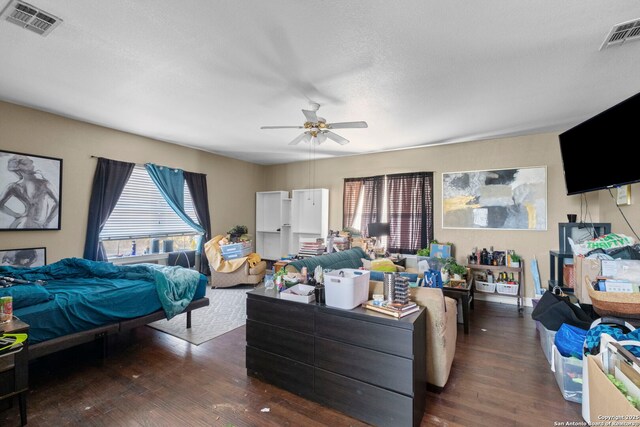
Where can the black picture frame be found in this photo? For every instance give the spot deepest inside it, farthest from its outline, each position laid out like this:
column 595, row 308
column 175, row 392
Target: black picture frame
column 23, row 257
column 44, row 210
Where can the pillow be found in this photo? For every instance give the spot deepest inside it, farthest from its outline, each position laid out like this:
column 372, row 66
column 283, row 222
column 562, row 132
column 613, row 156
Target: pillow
column 379, row 276
column 383, row 264
column 26, row 295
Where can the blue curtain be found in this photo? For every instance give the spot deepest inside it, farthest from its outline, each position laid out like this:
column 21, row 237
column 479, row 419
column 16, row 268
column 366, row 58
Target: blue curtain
column 170, row 182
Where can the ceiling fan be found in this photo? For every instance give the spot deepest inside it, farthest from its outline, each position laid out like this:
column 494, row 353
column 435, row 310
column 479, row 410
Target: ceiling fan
column 317, row 129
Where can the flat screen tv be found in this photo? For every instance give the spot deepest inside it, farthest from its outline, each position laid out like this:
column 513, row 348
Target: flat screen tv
column 609, row 162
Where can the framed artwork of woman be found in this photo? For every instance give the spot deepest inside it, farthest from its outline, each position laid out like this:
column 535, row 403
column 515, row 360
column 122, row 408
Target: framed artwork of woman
column 30, row 190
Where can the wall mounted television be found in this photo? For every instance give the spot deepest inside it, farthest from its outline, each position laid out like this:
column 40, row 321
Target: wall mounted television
column 611, row 164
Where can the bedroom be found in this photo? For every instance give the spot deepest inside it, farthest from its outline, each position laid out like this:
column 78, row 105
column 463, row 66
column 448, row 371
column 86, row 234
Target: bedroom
column 71, row 110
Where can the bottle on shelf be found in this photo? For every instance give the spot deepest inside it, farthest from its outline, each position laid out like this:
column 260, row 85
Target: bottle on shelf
column 133, row 247
column 489, row 276
column 484, row 256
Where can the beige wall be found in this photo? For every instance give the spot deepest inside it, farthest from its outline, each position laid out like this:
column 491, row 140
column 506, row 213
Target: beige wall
column 533, row 150
column 609, row 211
column 232, row 183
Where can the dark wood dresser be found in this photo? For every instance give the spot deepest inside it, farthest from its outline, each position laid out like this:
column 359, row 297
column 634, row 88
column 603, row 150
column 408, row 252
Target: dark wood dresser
column 362, row 363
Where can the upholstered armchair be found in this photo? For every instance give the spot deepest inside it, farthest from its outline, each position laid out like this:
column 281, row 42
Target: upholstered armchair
column 243, row 275
column 248, row 270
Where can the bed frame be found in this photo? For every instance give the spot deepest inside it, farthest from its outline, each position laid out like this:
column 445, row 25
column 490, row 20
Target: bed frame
column 101, row 333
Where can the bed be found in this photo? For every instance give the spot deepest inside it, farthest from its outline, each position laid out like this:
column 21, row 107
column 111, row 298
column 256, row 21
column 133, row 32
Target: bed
column 79, row 301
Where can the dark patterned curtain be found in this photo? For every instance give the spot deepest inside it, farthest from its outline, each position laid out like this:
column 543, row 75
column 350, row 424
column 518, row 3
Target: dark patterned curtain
column 410, row 211
column 373, row 199
column 350, row 197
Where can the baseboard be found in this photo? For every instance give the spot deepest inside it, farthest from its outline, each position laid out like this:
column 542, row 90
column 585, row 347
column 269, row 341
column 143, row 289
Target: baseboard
column 501, row 299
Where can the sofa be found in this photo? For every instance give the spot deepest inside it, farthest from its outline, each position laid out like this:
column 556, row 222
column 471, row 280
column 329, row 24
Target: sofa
column 442, row 326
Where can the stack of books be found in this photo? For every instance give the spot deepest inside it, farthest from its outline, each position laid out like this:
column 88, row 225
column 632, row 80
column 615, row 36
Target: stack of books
column 311, row 247
column 394, row 309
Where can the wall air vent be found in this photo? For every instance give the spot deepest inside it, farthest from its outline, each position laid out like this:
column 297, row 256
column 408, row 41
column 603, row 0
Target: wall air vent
column 622, row 33
column 30, row 17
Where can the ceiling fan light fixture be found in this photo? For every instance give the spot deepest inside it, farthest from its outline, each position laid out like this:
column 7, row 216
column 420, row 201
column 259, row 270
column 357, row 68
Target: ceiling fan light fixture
column 317, row 128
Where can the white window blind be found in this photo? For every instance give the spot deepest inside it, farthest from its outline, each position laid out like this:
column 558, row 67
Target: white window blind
column 141, row 211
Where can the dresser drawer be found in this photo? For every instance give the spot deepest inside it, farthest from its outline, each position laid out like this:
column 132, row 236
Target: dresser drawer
column 381, row 369
column 286, row 314
column 388, row 339
column 283, row 342
column 366, row 402
column 285, row 373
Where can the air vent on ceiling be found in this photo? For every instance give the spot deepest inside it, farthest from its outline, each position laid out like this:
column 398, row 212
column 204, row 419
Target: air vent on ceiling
column 30, row 17
column 622, row 33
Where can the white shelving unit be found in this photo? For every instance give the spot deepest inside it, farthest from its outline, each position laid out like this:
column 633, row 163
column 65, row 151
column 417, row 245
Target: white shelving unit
column 273, row 228
column 309, row 215
column 282, row 221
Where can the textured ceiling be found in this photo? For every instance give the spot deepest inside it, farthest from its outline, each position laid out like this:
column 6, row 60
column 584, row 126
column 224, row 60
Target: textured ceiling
column 208, row 74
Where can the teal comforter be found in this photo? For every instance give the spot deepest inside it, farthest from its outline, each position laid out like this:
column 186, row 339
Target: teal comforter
column 175, row 286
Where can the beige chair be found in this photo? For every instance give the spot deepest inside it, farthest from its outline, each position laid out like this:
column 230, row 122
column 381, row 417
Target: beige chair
column 442, row 330
column 243, row 275
column 227, row 273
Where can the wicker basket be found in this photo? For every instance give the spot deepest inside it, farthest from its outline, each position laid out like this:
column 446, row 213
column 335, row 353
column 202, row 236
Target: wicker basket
column 617, row 304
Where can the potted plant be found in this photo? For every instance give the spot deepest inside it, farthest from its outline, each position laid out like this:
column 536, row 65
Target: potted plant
column 515, row 260
column 236, row 232
column 458, row 271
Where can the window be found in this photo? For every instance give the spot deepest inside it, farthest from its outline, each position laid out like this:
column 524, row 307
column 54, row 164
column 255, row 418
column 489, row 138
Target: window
column 405, row 201
column 142, row 213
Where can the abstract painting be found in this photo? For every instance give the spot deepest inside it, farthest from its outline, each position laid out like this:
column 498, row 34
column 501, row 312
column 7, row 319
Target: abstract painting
column 28, row 257
column 30, row 188
column 508, row 199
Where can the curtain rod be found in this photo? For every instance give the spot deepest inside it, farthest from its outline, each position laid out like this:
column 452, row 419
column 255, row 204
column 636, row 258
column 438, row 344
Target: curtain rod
column 142, row 164
column 98, row 157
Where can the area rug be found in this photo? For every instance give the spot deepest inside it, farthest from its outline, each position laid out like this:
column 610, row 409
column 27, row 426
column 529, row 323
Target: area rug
column 226, row 311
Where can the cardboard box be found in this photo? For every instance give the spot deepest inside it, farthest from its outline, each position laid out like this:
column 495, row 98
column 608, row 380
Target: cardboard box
column 440, row 251
column 606, row 402
column 584, row 268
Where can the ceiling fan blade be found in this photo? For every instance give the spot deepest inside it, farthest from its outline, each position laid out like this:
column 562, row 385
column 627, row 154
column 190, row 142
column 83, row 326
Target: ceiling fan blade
column 335, row 137
column 310, row 115
column 321, row 138
column 299, row 138
column 281, row 127
column 347, row 125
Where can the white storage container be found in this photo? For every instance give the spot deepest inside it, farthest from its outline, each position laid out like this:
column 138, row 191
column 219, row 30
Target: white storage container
column 547, row 338
column 568, row 371
column 485, row 286
column 346, row 288
column 507, row 288
column 299, row 293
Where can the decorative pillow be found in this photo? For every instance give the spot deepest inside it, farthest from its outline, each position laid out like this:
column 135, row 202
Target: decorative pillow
column 383, row 264
column 26, row 295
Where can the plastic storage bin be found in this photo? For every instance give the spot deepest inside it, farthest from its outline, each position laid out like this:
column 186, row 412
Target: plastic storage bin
column 346, row 288
column 507, row 288
column 568, row 372
column 235, row 250
column 485, row 287
column 547, row 338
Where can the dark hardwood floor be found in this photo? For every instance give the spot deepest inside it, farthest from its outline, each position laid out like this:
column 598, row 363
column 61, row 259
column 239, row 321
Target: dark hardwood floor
column 499, row 378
